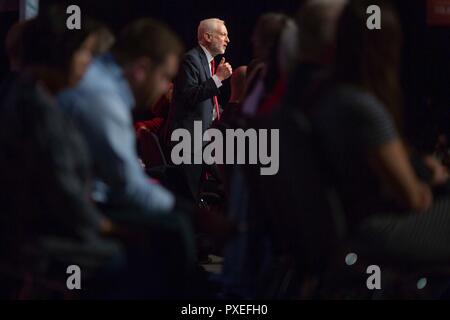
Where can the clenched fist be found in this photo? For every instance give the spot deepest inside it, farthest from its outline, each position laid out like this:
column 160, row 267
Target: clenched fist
column 224, row 70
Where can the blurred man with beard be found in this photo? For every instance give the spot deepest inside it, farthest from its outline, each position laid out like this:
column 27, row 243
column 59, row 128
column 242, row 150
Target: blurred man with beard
column 136, row 72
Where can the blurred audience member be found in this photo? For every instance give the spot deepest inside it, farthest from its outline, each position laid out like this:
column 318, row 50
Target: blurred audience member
column 161, row 108
column 44, row 162
column 317, row 22
column 105, row 41
column 153, row 118
column 265, row 84
column 136, row 73
column 288, row 48
column 267, row 80
column 238, row 85
column 231, row 117
column 357, row 122
column 46, row 172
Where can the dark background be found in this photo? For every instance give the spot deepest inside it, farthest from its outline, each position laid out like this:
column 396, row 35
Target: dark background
column 183, row 17
column 425, row 72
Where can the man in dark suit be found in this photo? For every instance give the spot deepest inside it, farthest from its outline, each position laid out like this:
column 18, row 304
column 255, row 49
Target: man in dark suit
column 197, row 87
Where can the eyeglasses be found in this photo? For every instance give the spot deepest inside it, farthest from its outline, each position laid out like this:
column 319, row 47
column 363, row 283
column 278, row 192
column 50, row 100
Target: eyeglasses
column 223, row 34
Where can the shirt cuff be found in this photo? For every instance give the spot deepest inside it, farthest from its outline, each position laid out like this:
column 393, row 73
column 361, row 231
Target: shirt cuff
column 217, row 81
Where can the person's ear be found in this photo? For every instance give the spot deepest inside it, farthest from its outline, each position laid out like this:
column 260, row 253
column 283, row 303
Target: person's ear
column 207, row 37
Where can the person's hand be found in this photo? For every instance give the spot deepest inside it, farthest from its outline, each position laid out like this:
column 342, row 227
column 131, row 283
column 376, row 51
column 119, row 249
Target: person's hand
column 224, row 70
column 439, row 171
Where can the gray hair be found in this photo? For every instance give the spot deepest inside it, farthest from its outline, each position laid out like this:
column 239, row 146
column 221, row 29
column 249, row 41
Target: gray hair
column 207, row 25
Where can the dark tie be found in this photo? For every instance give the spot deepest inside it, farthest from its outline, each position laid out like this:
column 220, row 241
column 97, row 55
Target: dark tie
column 215, row 101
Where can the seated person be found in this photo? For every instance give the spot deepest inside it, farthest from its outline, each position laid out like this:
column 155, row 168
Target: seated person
column 46, row 174
column 44, row 163
column 13, row 45
column 237, row 83
column 135, row 73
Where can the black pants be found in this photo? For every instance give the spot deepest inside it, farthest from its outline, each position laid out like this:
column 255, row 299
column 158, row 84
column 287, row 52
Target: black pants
column 415, row 237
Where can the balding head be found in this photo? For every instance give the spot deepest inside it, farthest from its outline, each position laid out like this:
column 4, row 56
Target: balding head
column 213, row 35
column 317, row 21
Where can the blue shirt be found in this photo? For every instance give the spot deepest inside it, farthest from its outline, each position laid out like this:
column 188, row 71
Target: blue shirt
column 101, row 106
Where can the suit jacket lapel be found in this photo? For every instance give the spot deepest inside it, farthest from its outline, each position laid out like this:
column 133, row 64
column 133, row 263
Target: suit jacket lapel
column 204, row 62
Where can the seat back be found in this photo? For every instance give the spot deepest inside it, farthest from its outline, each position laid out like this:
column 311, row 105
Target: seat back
column 150, row 150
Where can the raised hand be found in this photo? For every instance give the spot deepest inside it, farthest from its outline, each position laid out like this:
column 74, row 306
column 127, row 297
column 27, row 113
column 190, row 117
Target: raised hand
column 224, row 70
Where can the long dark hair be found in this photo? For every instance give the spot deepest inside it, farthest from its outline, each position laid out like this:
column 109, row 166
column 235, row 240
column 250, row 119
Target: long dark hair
column 371, row 58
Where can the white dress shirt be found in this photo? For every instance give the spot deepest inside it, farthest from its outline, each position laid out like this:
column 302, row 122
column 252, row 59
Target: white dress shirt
column 210, row 58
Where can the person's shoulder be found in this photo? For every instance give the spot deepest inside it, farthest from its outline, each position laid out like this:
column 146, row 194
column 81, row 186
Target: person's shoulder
column 97, row 82
column 24, row 90
column 195, row 51
column 97, row 77
column 193, row 54
column 364, row 102
column 365, row 109
column 353, row 98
